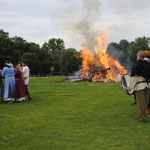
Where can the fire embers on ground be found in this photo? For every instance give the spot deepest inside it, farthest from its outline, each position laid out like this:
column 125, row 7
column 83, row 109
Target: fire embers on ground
column 98, row 66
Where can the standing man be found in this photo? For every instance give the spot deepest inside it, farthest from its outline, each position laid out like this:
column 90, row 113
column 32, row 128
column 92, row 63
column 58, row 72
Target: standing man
column 26, row 73
column 140, row 85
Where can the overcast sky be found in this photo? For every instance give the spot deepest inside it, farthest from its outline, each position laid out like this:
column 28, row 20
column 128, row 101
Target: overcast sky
column 77, row 22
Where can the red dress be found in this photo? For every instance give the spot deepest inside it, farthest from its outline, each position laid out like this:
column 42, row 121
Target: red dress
column 20, row 85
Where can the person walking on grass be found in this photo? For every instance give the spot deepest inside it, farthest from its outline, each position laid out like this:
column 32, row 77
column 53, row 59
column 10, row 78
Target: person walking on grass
column 140, row 84
column 26, row 73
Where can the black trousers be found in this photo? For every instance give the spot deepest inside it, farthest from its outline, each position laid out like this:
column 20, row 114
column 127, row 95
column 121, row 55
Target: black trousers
column 26, row 89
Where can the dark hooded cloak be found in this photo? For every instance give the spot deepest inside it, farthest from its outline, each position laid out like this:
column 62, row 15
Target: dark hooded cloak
column 141, row 68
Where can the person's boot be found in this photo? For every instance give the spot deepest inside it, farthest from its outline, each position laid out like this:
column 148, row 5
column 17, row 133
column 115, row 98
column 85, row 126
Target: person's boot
column 140, row 119
column 29, row 97
column 134, row 102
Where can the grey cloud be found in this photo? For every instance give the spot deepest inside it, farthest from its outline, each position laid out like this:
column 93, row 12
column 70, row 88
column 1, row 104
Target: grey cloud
column 127, row 6
column 34, row 8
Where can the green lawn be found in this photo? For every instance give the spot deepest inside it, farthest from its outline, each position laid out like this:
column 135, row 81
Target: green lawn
column 73, row 116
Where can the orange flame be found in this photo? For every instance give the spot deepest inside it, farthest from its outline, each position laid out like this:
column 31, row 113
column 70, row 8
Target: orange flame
column 100, row 65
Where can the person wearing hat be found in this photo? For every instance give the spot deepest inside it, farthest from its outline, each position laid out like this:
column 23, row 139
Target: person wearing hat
column 8, row 73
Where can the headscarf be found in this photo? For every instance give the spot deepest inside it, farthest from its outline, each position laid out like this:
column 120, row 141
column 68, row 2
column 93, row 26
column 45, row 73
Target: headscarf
column 8, row 64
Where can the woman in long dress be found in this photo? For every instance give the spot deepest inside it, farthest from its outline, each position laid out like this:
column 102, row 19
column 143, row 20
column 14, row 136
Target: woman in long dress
column 20, row 84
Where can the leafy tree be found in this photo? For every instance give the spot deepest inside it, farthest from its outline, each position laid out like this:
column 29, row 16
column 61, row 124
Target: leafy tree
column 141, row 43
column 19, row 44
column 6, row 48
column 4, row 34
column 46, row 61
column 68, row 61
column 31, row 47
column 32, row 61
column 16, row 56
column 52, row 69
column 54, row 47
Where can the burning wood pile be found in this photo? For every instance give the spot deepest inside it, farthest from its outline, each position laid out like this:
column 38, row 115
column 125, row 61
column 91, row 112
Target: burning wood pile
column 98, row 66
column 93, row 70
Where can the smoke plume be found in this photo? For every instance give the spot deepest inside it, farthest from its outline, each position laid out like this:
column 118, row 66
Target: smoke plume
column 85, row 26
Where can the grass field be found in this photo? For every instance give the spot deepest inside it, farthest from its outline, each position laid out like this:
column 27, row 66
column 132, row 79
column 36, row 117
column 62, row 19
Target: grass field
column 73, row 116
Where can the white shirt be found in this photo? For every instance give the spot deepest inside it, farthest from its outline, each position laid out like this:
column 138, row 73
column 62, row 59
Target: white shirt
column 26, row 72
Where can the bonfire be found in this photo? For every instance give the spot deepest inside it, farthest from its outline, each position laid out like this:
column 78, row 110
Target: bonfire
column 98, row 66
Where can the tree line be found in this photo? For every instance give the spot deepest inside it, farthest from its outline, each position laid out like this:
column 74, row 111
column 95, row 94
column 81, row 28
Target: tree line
column 53, row 58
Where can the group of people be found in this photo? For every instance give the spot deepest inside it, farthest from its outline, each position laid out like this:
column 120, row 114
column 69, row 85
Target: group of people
column 140, row 83
column 16, row 78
